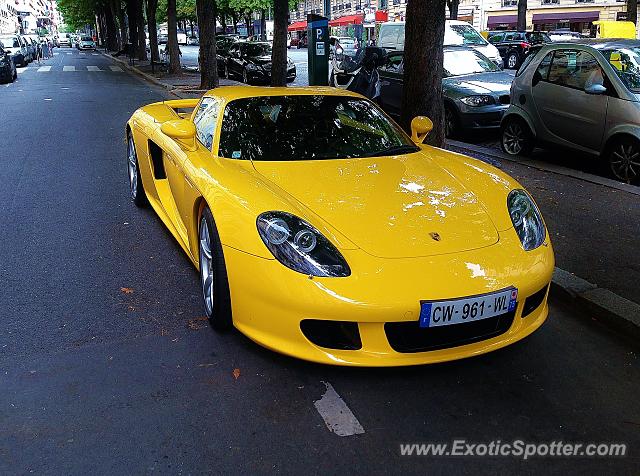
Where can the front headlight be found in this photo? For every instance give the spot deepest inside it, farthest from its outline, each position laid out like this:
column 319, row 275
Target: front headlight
column 299, row 246
column 526, row 219
column 476, row 101
column 251, row 66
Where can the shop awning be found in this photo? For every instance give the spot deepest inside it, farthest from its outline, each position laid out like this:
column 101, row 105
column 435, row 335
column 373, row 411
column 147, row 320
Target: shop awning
column 566, row 17
column 497, row 20
column 298, row 26
column 347, row 20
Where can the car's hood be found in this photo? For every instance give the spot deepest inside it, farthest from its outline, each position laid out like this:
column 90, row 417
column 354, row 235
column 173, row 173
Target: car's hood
column 261, row 60
column 405, row 206
column 480, row 83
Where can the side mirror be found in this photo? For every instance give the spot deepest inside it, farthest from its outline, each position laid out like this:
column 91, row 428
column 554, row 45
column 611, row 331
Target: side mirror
column 420, row 128
column 595, row 89
column 182, row 131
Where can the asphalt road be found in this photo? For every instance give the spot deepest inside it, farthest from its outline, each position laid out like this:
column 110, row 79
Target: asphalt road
column 106, row 366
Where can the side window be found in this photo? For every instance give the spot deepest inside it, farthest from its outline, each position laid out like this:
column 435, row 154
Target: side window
column 575, row 69
column 393, row 64
column 496, row 38
column 543, row 68
column 512, row 37
column 389, row 36
column 205, row 120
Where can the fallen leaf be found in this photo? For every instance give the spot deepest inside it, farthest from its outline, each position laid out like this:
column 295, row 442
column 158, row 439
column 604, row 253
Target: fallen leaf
column 164, row 332
column 236, row 373
column 127, row 290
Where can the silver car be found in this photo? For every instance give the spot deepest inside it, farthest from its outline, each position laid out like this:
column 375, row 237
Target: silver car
column 584, row 96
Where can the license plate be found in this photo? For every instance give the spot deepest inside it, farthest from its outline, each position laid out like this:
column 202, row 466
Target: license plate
column 475, row 308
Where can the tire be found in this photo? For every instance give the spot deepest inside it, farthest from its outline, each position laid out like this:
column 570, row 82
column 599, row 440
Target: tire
column 516, row 137
column 451, row 122
column 136, row 188
column 213, row 274
column 226, row 71
column 15, row 74
column 623, row 160
column 513, row 60
column 245, row 76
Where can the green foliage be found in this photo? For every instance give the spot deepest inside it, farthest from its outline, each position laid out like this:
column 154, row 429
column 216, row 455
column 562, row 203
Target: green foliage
column 77, row 13
column 186, row 10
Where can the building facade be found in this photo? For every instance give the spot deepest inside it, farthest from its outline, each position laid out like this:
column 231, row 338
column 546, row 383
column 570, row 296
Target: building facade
column 8, row 16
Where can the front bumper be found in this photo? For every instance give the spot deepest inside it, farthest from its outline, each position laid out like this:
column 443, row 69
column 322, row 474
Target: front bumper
column 484, row 117
column 270, row 301
column 262, row 74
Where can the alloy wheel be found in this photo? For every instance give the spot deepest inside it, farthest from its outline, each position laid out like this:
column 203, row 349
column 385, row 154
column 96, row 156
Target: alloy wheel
column 206, row 267
column 133, row 168
column 624, row 161
column 513, row 138
column 512, row 61
column 245, row 76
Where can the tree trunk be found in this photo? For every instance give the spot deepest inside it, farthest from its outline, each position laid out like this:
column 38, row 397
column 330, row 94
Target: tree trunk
column 279, row 51
column 632, row 11
column 453, row 9
column 234, row 19
column 422, row 88
column 172, row 45
column 206, row 11
column 191, row 27
column 141, row 49
column 152, row 9
column 117, row 6
column 223, row 23
column 112, row 30
column 522, row 15
column 247, row 23
column 263, row 26
column 133, row 25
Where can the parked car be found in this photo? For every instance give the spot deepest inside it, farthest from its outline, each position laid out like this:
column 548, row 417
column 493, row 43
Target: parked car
column 182, row 38
column 193, row 40
column 16, row 48
column 86, row 43
column 344, row 45
column 64, row 40
column 514, row 46
column 564, row 34
column 456, row 33
column 163, row 39
column 223, row 44
column 251, row 61
column 8, row 72
column 476, row 91
column 583, row 96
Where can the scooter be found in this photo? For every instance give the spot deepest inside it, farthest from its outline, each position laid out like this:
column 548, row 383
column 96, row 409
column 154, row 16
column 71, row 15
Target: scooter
column 358, row 73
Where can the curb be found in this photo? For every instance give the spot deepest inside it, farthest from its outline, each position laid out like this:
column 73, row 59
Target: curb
column 169, row 87
column 556, row 169
column 589, row 300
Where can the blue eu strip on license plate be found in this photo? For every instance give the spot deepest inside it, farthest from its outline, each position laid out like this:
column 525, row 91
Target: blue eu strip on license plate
column 475, row 308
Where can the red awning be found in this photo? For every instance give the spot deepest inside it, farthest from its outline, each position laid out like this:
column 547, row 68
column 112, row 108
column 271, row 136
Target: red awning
column 347, row 20
column 382, row 15
column 298, row 26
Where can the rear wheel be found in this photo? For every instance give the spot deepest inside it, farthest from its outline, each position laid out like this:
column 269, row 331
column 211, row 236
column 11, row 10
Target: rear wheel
column 513, row 59
column 516, row 137
column 245, row 76
column 135, row 181
column 213, row 274
column 623, row 158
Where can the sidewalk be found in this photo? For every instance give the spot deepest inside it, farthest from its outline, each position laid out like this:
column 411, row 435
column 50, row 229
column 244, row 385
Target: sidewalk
column 183, row 85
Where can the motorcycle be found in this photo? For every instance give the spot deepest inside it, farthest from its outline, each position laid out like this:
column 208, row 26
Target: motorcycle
column 358, row 73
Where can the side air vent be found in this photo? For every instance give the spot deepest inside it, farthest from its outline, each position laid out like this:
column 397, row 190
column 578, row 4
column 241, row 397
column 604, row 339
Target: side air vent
column 156, row 161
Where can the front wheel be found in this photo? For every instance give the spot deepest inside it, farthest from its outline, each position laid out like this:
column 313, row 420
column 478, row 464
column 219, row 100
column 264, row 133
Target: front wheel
column 245, row 76
column 135, row 181
column 213, row 274
column 513, row 60
column 451, row 123
column 516, row 137
column 623, row 158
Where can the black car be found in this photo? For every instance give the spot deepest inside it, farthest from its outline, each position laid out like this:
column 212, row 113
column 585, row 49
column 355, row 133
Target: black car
column 251, row 61
column 223, row 44
column 514, row 46
column 8, row 73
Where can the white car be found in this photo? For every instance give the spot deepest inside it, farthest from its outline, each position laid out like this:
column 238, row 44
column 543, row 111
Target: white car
column 64, row 40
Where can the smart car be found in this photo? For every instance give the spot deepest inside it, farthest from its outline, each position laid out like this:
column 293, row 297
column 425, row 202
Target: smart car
column 322, row 231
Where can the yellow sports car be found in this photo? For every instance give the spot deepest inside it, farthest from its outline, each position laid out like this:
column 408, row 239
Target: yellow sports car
column 322, row 231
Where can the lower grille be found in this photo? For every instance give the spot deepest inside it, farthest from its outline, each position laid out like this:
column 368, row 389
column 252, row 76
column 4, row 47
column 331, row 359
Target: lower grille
column 533, row 302
column 408, row 337
column 332, row 334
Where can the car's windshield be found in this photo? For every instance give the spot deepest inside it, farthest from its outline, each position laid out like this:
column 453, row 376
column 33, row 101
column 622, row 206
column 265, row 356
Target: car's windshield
column 462, row 35
column 258, row 49
column 289, row 128
column 87, row 38
column 9, row 42
column 626, row 64
column 467, row 61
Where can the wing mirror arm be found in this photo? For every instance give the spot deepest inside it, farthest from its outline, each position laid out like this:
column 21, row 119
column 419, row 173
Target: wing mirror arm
column 183, row 131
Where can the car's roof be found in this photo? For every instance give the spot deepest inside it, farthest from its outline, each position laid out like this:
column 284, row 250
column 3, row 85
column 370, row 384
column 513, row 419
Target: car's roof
column 230, row 93
column 599, row 43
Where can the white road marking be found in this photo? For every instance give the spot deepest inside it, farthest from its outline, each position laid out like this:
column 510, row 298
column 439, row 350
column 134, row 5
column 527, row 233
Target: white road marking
column 93, row 68
column 95, row 54
column 47, row 99
column 116, row 68
column 44, row 69
column 69, row 53
column 336, row 414
column 68, row 68
column 82, row 54
column 23, row 70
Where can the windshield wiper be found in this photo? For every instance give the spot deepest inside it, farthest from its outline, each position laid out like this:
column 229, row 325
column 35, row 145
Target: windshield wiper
column 395, row 150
